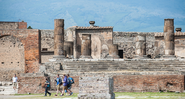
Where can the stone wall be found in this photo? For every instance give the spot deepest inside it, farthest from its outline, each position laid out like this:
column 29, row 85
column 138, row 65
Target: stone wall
column 127, row 42
column 97, row 87
column 47, row 45
column 11, row 57
column 27, row 42
column 31, row 83
column 13, row 25
column 179, row 44
column 130, row 81
column 150, row 45
column 148, row 83
column 101, row 41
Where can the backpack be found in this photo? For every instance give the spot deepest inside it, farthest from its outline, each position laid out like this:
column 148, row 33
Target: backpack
column 72, row 82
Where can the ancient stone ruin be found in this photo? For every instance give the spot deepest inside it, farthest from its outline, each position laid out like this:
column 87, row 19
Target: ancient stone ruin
column 119, row 61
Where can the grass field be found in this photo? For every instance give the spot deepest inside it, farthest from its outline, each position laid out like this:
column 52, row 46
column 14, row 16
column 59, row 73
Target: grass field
column 118, row 95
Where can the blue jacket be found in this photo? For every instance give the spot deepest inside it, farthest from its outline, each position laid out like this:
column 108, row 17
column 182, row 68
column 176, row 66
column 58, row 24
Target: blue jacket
column 65, row 81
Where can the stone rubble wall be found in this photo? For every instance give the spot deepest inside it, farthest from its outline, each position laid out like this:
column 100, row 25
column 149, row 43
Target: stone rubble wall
column 13, row 25
column 150, row 45
column 31, row 83
column 99, row 87
column 47, row 45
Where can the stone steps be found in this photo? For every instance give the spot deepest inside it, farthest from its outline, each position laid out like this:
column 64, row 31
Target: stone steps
column 124, row 65
column 7, row 90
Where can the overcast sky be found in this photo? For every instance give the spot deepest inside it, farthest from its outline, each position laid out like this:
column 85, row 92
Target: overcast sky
column 123, row 15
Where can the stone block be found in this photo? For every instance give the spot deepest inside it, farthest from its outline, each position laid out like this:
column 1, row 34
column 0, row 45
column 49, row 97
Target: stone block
column 96, row 87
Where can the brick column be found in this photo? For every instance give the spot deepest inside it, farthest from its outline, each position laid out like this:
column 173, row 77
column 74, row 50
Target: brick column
column 86, row 46
column 140, row 46
column 169, row 38
column 59, row 38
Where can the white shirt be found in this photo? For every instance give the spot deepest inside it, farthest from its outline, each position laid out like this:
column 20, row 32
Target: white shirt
column 14, row 79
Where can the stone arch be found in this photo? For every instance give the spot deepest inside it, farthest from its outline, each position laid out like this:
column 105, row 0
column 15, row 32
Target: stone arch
column 11, row 57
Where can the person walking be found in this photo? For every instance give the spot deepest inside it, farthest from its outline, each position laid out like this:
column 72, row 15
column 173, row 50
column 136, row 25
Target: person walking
column 47, row 85
column 64, row 84
column 70, row 82
column 59, row 82
column 14, row 80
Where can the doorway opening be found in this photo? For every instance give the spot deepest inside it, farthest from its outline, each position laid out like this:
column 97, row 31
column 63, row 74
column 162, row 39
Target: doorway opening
column 120, row 53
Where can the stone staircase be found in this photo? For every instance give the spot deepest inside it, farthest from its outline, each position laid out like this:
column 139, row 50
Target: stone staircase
column 6, row 88
column 128, row 65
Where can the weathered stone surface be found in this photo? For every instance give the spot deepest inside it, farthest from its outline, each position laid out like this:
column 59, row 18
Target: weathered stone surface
column 29, row 40
column 169, row 36
column 140, row 46
column 96, row 87
column 31, row 83
column 13, row 25
column 86, row 46
column 150, row 45
column 59, row 37
column 148, row 83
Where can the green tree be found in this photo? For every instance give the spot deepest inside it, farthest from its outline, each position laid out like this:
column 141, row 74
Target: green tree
column 29, row 27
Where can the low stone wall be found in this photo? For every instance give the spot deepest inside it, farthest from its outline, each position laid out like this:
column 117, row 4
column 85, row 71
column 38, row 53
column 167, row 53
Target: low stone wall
column 98, row 87
column 148, row 83
column 31, row 83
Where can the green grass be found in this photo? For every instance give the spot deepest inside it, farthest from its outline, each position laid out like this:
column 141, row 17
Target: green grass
column 41, row 96
column 151, row 95
column 137, row 95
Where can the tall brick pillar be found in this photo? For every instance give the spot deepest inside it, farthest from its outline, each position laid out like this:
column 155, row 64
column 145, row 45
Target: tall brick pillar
column 59, row 38
column 86, row 47
column 169, row 38
column 140, row 50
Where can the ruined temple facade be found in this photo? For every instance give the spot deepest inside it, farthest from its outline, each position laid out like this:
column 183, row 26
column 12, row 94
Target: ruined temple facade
column 25, row 48
column 96, row 42
column 91, row 49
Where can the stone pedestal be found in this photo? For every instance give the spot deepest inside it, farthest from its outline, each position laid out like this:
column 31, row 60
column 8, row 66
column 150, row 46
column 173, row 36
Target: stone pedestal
column 140, row 46
column 96, row 87
column 86, row 47
column 169, row 38
column 59, row 38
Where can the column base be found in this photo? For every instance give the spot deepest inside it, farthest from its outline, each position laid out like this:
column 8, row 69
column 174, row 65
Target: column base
column 85, row 57
column 169, row 57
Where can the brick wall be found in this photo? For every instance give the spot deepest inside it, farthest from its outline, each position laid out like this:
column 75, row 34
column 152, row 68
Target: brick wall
column 13, row 25
column 148, row 83
column 31, row 83
column 30, row 40
column 22, row 25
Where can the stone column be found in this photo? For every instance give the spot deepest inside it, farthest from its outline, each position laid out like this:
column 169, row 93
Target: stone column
column 86, row 47
column 169, row 38
column 140, row 50
column 59, row 38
